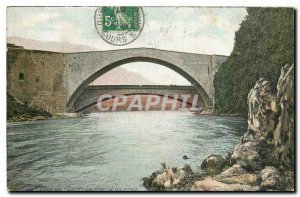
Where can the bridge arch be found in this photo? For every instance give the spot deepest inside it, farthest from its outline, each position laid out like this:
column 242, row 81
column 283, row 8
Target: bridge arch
column 103, row 70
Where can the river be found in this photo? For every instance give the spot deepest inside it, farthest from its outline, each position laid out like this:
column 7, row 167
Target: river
column 112, row 150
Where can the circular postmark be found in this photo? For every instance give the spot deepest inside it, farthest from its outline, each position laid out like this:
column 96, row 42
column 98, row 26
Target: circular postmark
column 119, row 25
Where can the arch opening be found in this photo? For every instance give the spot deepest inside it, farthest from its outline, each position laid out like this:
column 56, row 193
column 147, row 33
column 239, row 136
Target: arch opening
column 189, row 104
column 141, row 73
column 100, row 72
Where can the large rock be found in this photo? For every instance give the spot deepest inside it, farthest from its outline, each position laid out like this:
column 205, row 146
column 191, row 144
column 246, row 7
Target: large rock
column 210, row 184
column 246, row 152
column 262, row 110
column 234, row 170
column 284, row 134
column 278, row 179
column 253, row 154
column 269, row 140
column 270, row 177
column 214, row 163
column 261, row 114
column 242, row 179
column 266, row 133
column 167, row 178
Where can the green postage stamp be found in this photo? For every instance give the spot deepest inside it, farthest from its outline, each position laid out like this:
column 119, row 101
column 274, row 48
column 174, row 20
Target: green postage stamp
column 119, row 25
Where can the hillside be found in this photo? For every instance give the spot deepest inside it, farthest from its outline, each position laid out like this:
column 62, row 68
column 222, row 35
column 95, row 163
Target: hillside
column 65, row 47
column 263, row 44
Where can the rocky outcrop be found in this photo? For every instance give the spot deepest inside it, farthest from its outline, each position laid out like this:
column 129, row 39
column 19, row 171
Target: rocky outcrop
column 18, row 111
column 263, row 160
column 269, row 139
column 262, row 110
column 268, row 144
column 214, row 163
column 237, row 175
column 168, row 178
column 209, row 184
column 234, row 178
column 270, row 177
column 255, row 147
column 278, row 179
column 285, row 130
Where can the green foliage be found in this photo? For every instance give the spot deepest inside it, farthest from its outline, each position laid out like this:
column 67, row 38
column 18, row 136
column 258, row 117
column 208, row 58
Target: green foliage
column 263, row 44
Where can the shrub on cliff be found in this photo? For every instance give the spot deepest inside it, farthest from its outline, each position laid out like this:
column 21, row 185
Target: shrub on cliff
column 263, row 44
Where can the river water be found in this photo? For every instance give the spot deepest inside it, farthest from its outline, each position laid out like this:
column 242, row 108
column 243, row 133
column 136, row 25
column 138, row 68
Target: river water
column 112, row 150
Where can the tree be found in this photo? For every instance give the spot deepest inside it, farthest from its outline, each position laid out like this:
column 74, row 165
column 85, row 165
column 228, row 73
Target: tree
column 263, row 44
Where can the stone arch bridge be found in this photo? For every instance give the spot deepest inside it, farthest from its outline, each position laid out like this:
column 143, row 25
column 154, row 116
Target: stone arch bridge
column 54, row 81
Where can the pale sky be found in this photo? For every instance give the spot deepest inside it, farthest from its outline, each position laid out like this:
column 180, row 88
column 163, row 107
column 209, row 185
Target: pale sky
column 186, row 29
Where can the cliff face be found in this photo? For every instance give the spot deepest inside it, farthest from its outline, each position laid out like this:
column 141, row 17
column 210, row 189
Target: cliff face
column 268, row 145
column 263, row 160
column 261, row 48
column 266, row 150
column 285, row 130
column 270, row 135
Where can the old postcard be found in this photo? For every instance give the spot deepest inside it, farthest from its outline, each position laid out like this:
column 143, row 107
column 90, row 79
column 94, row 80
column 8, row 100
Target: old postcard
column 135, row 98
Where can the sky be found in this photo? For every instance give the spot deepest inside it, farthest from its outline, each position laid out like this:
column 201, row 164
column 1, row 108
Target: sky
column 185, row 29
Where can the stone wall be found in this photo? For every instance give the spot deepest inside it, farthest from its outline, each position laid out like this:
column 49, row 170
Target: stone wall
column 43, row 83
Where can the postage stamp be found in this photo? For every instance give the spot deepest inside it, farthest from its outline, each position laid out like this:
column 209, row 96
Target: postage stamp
column 119, row 25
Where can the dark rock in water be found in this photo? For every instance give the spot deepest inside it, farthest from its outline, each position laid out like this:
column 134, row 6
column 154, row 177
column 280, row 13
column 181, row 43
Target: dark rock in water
column 185, row 157
column 214, row 163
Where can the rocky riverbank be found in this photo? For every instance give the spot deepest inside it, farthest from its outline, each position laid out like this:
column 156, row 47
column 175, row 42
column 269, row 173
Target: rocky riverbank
column 18, row 111
column 263, row 160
